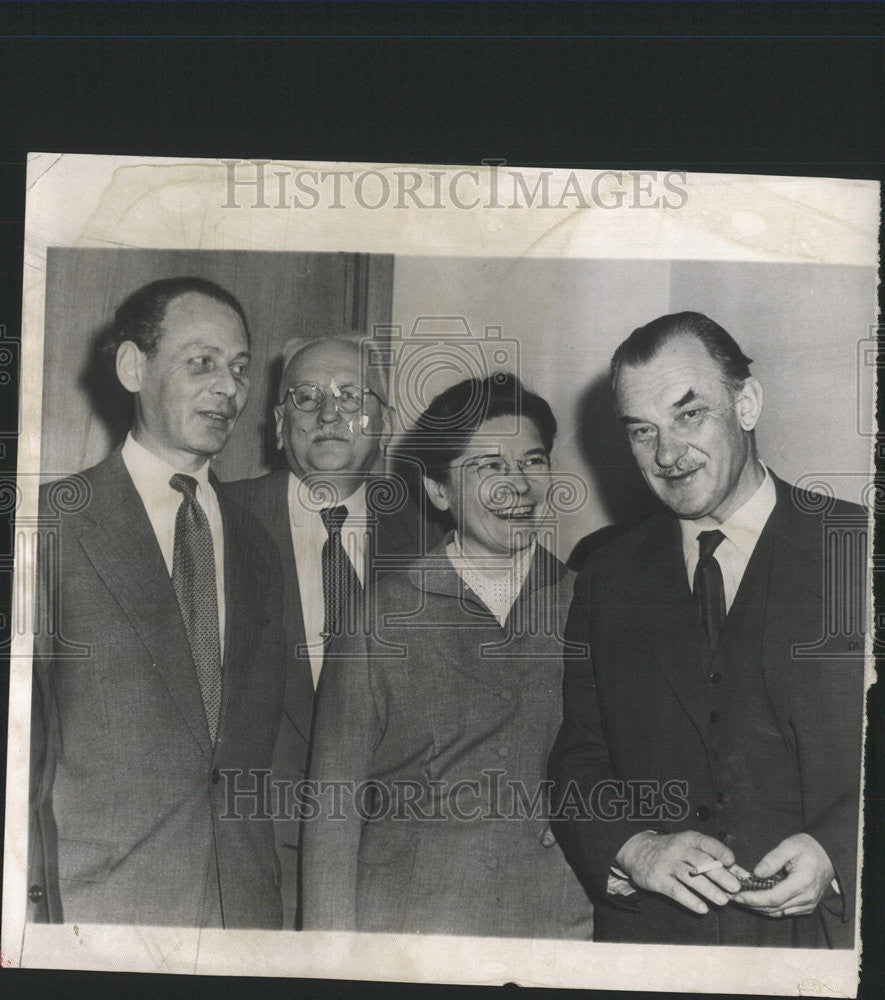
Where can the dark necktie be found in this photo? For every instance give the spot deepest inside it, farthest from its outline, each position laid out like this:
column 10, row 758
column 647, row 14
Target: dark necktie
column 341, row 585
column 709, row 590
column 193, row 577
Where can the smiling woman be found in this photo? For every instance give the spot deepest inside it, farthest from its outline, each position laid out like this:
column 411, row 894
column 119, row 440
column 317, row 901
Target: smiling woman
column 447, row 714
column 485, row 449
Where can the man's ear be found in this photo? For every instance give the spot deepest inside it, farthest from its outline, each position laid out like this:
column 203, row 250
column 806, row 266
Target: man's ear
column 279, row 412
column 748, row 403
column 438, row 493
column 130, row 365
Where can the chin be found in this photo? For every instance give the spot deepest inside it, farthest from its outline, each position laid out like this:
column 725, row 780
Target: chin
column 208, row 445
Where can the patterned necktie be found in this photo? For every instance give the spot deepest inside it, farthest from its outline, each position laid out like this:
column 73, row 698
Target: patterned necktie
column 709, row 590
column 193, row 577
column 341, row 585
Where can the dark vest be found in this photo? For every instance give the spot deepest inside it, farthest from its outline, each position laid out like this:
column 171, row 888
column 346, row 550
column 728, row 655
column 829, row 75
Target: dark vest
column 747, row 751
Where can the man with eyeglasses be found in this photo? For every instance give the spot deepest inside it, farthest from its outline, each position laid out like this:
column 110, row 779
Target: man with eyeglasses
column 335, row 518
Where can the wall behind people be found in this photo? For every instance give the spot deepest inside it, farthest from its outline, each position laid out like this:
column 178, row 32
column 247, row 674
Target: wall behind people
column 801, row 323
column 556, row 322
column 284, row 295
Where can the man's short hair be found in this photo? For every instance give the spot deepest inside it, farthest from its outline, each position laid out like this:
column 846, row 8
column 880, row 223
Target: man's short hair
column 645, row 342
column 443, row 431
column 365, row 347
column 139, row 317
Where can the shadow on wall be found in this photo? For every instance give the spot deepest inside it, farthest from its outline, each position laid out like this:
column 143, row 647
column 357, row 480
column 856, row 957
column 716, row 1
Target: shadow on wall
column 626, row 500
column 270, row 454
column 111, row 404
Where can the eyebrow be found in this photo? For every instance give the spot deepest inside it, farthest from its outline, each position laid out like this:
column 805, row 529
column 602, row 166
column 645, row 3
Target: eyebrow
column 497, row 454
column 689, row 397
column 202, row 345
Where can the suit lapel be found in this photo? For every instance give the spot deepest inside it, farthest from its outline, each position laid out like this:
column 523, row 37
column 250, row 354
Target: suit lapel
column 299, row 679
column 668, row 617
column 123, row 550
column 793, row 600
column 239, row 591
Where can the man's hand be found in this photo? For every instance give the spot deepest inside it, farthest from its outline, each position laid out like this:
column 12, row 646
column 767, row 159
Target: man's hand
column 810, row 873
column 664, row 864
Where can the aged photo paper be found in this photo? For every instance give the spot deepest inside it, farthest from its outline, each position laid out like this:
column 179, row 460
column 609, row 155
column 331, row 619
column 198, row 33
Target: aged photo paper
column 440, row 273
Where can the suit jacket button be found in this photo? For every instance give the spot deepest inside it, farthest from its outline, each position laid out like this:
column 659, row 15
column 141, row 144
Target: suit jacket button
column 702, row 813
column 35, row 894
column 505, row 694
column 216, row 776
column 715, row 677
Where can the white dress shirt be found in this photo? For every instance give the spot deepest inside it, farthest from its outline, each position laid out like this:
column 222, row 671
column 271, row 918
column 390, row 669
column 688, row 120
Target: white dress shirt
column 496, row 587
column 741, row 530
column 150, row 476
column 309, row 534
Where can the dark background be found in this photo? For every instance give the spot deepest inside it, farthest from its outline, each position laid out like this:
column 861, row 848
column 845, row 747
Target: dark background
column 754, row 87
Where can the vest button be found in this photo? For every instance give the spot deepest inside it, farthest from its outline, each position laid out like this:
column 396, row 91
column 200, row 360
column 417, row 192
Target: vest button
column 216, row 776
column 702, row 813
column 720, row 798
column 503, row 751
column 715, row 677
column 35, row 894
column 714, row 717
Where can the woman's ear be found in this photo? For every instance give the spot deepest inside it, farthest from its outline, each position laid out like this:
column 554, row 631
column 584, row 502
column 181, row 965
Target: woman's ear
column 438, row 493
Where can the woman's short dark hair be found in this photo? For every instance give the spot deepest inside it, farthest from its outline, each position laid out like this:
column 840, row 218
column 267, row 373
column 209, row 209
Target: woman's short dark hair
column 443, row 431
column 645, row 342
column 139, row 317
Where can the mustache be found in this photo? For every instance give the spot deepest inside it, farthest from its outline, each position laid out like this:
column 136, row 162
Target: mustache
column 679, row 470
column 332, row 437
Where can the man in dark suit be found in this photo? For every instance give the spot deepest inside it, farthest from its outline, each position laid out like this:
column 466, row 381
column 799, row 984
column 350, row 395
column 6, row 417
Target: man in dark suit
column 332, row 424
column 717, row 718
column 158, row 671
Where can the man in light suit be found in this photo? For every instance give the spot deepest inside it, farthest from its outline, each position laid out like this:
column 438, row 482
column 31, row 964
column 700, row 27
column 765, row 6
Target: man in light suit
column 158, row 670
column 717, row 718
column 332, row 424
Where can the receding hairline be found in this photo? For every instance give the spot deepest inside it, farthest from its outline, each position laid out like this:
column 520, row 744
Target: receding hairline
column 295, row 350
column 678, row 334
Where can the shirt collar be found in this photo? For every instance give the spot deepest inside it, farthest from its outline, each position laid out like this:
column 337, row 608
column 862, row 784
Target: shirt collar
column 516, row 567
column 301, row 513
column 152, row 474
column 745, row 525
